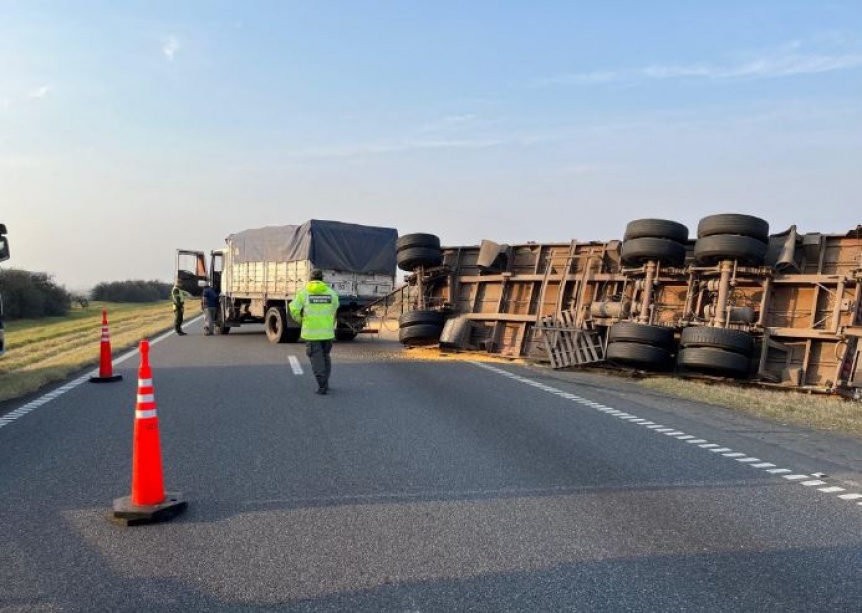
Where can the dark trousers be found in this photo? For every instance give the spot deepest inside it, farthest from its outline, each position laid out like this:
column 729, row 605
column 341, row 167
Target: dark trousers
column 321, row 365
column 178, row 320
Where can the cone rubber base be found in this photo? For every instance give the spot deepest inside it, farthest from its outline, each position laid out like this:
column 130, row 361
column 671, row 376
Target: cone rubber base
column 110, row 379
column 126, row 513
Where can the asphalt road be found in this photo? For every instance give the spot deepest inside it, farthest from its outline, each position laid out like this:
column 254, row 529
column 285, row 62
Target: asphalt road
column 419, row 486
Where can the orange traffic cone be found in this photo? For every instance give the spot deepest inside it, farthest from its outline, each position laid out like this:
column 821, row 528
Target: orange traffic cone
column 148, row 502
column 106, row 374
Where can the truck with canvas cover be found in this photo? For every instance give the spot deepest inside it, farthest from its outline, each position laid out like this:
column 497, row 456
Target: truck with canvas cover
column 259, row 271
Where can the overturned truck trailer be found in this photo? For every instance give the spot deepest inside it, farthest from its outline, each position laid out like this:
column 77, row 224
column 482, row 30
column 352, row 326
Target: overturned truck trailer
column 735, row 301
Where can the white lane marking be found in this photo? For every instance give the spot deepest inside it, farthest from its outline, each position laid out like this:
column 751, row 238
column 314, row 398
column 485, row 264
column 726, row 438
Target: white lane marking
column 294, row 364
column 54, row 394
column 805, row 480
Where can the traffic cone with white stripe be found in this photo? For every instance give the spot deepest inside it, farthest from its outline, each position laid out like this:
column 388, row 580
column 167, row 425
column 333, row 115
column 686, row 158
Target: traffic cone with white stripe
column 148, row 502
column 106, row 374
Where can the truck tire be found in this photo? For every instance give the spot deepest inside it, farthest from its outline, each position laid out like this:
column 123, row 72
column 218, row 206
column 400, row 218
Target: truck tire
column 637, row 354
column 735, row 341
column 715, row 248
column 626, row 331
column 420, row 317
column 344, row 334
column 734, row 223
column 420, row 334
column 411, row 258
column 710, row 359
column 656, row 228
column 409, row 241
column 276, row 327
column 640, row 250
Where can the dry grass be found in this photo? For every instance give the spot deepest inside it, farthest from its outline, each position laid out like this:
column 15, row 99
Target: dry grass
column 829, row 413
column 42, row 351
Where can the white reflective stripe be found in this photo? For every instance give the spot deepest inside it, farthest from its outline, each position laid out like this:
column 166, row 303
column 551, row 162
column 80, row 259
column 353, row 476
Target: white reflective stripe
column 145, row 414
column 146, row 398
column 145, row 383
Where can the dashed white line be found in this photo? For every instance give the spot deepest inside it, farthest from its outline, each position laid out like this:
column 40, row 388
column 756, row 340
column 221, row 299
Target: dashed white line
column 294, row 364
column 744, row 458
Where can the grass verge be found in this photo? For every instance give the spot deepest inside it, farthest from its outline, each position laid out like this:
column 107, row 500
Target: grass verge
column 828, row 413
column 42, row 351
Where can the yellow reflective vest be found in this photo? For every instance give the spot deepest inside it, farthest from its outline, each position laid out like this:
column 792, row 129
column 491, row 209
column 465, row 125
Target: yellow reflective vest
column 315, row 307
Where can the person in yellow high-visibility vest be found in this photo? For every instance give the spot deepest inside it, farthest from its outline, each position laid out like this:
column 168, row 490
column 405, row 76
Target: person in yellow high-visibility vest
column 178, row 300
column 315, row 307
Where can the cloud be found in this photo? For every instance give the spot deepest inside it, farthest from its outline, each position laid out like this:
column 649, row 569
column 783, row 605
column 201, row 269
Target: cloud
column 39, row 92
column 170, row 48
column 786, row 61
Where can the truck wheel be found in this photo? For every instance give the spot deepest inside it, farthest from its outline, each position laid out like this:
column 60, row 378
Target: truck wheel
column 276, row 325
column 715, row 248
column 710, row 359
column 419, row 317
column 656, row 228
column 735, row 341
column 631, row 332
column 640, row 250
column 408, row 241
column 734, row 223
column 411, row 258
column 637, row 354
column 420, row 334
column 344, row 334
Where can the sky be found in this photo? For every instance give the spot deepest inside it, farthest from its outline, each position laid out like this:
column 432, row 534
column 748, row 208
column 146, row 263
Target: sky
column 130, row 129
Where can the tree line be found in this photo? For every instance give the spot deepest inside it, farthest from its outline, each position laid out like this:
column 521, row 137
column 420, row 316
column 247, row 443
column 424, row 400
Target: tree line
column 32, row 295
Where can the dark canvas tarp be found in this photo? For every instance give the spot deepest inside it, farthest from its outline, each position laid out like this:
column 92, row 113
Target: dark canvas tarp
column 331, row 245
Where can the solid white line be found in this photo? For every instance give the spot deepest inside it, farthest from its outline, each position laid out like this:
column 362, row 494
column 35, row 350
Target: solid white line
column 294, row 364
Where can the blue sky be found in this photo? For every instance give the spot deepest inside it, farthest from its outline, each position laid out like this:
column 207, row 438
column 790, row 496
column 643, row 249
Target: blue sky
column 130, row 129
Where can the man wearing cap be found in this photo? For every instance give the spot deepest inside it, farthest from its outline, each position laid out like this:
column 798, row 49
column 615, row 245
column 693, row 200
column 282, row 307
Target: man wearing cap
column 315, row 307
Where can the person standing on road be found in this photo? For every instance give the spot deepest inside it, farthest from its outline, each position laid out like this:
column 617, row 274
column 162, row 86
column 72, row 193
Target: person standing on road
column 315, row 307
column 209, row 304
column 178, row 298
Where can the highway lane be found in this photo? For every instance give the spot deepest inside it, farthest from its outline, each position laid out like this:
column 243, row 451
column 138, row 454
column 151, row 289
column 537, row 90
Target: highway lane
column 415, row 486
